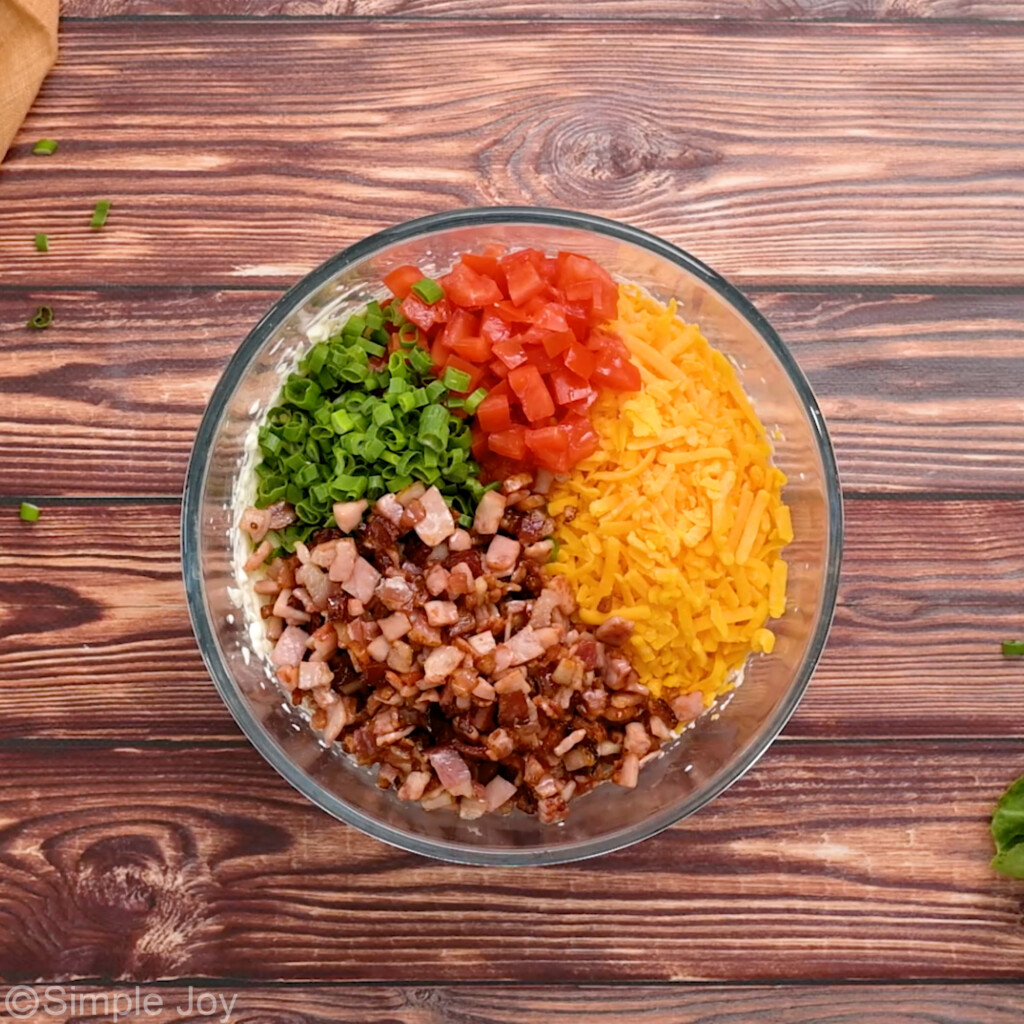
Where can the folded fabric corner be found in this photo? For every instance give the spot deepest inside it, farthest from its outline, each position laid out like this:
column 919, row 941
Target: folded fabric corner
column 28, row 49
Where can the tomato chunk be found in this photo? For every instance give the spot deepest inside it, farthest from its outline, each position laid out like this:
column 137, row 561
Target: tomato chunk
column 511, row 443
column 532, row 392
column 494, row 414
column 400, row 281
column 465, row 287
column 550, row 446
column 510, row 352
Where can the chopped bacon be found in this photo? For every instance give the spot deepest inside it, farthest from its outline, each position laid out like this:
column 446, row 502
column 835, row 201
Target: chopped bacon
column 291, row 647
column 452, row 771
column 255, row 522
column 437, row 524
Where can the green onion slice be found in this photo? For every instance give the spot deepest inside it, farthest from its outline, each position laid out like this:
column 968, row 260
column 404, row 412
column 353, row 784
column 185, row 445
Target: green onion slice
column 428, row 290
column 41, row 319
column 99, row 213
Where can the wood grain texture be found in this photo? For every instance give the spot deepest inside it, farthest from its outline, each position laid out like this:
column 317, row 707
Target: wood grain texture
column 920, row 391
column 868, row 861
column 805, row 154
column 512, row 1004
column 95, row 641
column 542, row 10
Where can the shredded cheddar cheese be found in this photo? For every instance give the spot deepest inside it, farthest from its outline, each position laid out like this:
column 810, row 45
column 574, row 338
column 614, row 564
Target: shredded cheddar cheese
column 677, row 521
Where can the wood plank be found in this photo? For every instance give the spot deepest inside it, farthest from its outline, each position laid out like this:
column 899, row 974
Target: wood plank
column 749, row 10
column 867, row 861
column 95, row 641
column 515, row 1004
column 805, row 153
column 920, row 391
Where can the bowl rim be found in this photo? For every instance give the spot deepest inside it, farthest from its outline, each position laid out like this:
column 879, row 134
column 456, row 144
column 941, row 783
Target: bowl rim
column 195, row 480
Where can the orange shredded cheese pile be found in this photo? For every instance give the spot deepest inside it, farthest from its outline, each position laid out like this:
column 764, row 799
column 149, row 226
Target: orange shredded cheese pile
column 679, row 519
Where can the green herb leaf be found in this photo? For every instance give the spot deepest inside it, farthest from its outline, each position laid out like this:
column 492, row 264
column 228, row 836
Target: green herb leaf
column 1013, row 648
column 1008, row 831
column 45, row 147
column 29, row 513
column 42, row 243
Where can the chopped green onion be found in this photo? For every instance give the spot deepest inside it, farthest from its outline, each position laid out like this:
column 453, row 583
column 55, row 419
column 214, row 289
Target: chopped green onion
column 435, row 390
column 455, row 380
column 433, row 432
column 41, row 319
column 420, row 361
column 1013, row 648
column 428, row 290
column 408, row 334
column 42, row 243
column 474, row 400
column 99, row 213
column 555, row 548
column 29, row 513
column 45, row 147
column 465, row 521
column 371, row 347
column 354, row 327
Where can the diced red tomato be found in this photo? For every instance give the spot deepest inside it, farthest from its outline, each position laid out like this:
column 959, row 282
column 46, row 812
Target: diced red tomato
column 556, row 342
column 422, row 315
column 532, row 392
column 465, row 287
column 528, row 328
column 524, row 280
column 461, row 324
column 489, row 266
column 550, row 447
column 511, row 443
column 439, row 354
column 479, row 448
column 567, row 387
column 494, row 413
column 580, row 360
column 614, row 368
column 583, row 438
column 493, row 327
column 510, row 352
column 551, row 317
column 476, row 350
column 400, row 281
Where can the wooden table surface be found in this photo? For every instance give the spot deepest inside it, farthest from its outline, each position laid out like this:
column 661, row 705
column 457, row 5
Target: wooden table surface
column 854, row 165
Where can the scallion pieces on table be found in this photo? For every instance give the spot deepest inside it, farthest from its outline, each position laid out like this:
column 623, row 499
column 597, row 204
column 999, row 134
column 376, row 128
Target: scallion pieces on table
column 41, row 319
column 99, row 213
column 29, row 513
column 1013, row 648
column 428, row 290
column 45, row 147
column 42, row 243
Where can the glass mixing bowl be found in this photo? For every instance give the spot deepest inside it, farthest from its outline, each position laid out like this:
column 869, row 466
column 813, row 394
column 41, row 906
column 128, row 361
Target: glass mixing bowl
column 708, row 758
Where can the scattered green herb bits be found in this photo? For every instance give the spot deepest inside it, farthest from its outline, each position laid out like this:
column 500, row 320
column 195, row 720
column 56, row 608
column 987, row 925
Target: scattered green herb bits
column 29, row 513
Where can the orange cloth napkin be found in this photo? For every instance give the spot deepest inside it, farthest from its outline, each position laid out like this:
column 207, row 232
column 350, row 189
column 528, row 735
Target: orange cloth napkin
column 28, row 48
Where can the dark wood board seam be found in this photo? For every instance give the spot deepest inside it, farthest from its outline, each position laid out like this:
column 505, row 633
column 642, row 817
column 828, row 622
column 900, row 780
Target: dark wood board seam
column 701, row 23
column 554, row 984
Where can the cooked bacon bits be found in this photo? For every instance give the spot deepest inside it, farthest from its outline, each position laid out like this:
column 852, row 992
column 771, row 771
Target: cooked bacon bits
column 449, row 658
